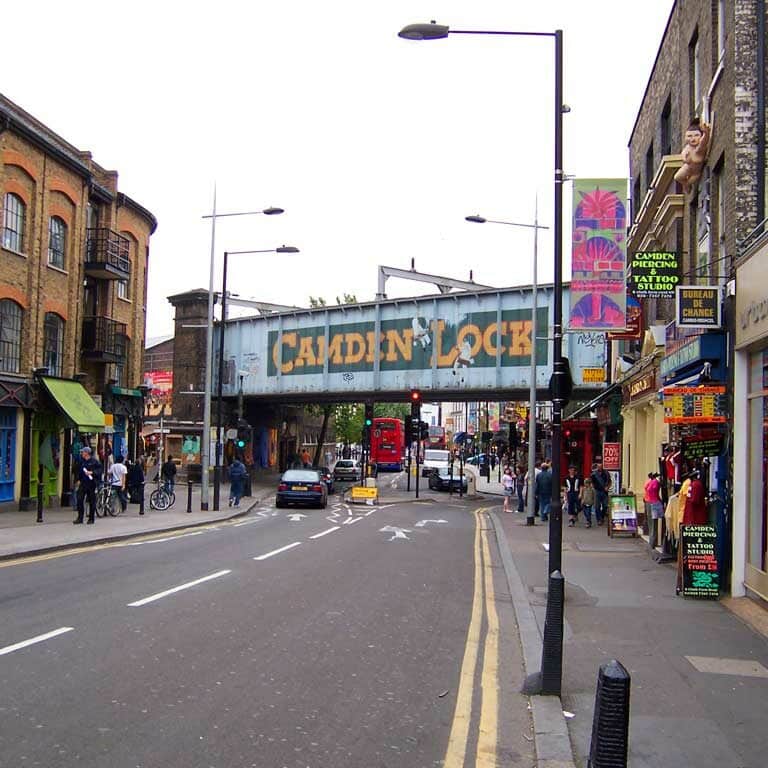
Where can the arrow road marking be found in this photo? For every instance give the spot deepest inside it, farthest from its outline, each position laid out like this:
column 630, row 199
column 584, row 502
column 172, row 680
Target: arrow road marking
column 399, row 533
column 422, row 523
column 33, row 640
column 295, row 517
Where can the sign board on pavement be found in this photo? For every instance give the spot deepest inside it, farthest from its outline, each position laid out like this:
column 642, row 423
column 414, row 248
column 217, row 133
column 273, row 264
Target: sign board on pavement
column 699, row 561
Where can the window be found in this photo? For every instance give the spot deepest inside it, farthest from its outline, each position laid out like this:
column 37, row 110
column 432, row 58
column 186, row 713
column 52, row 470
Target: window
column 124, row 286
column 53, row 343
column 10, row 336
column 666, row 128
column 57, row 241
column 694, row 74
column 13, row 222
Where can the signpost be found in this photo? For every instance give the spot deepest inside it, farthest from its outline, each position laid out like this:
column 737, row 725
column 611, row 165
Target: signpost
column 699, row 561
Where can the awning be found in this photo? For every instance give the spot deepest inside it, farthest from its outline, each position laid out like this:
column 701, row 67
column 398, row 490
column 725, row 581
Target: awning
column 125, row 391
column 77, row 406
column 590, row 406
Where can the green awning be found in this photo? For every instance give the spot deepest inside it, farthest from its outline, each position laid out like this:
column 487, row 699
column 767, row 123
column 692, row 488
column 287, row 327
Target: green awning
column 75, row 404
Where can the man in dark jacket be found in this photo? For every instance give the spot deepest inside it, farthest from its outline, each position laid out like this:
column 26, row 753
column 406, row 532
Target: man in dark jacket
column 88, row 472
column 543, row 488
column 168, row 473
column 601, row 482
column 237, row 475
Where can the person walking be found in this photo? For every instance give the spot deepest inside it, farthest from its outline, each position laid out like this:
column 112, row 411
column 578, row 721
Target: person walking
column 88, row 472
column 601, row 481
column 543, row 488
column 573, row 495
column 118, row 473
column 520, row 486
column 135, row 481
column 655, row 506
column 508, row 484
column 237, row 474
column 168, row 474
column 588, row 501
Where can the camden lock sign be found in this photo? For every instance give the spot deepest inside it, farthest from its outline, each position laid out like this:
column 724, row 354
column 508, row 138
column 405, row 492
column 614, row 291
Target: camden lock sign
column 450, row 343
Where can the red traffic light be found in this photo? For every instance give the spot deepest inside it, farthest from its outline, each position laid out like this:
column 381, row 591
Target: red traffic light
column 415, row 396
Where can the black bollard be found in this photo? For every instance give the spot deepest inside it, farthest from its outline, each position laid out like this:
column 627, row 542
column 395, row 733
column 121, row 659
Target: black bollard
column 141, row 499
column 40, row 495
column 189, row 495
column 610, row 724
column 552, row 653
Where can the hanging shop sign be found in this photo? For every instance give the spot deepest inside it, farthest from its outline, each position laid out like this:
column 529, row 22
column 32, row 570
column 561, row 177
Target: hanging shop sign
column 612, row 456
column 654, row 274
column 702, row 405
column 634, row 322
column 703, row 443
column 593, row 375
column 599, row 255
column 699, row 306
column 622, row 512
column 699, row 559
column 640, row 386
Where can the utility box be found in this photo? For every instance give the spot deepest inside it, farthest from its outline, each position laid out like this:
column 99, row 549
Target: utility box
column 471, row 488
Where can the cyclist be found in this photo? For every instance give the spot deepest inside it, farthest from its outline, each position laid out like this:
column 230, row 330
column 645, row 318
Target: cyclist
column 168, row 474
column 117, row 477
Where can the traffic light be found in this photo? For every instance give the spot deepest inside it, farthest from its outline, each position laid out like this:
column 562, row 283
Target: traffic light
column 423, row 430
column 243, row 434
column 415, row 403
column 414, row 428
column 368, row 420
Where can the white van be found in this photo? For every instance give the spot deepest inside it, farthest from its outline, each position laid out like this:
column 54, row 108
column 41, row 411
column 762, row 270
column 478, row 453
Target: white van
column 434, row 459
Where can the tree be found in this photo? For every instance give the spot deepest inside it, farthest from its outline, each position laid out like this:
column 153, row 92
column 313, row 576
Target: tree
column 316, row 301
column 319, row 301
column 392, row 411
column 348, row 418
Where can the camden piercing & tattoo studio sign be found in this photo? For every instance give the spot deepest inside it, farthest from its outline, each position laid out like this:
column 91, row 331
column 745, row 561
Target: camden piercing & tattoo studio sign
column 654, row 274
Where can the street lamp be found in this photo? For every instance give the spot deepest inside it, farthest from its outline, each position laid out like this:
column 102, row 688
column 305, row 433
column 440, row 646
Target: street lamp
column 530, row 518
column 205, row 457
column 552, row 657
column 219, row 387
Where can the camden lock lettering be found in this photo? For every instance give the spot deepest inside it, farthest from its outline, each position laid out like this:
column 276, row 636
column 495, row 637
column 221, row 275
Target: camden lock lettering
column 408, row 344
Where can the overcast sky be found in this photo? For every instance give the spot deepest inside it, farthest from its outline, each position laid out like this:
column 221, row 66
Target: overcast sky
column 376, row 147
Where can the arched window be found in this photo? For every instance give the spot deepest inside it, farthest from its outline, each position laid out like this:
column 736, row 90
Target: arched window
column 14, row 212
column 57, row 241
column 53, row 343
column 10, row 336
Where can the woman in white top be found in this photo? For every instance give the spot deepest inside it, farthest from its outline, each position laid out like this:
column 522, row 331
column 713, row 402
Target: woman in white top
column 508, row 484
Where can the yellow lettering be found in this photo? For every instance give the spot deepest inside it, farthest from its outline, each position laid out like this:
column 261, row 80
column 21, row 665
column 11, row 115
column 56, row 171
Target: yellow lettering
column 306, row 353
column 355, row 347
column 321, row 350
column 473, row 331
column 444, row 360
column 334, row 349
column 488, row 344
column 369, row 337
column 520, row 341
column 289, row 340
column 399, row 346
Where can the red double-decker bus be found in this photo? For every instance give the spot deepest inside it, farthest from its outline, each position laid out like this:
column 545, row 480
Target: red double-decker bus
column 436, row 438
column 387, row 444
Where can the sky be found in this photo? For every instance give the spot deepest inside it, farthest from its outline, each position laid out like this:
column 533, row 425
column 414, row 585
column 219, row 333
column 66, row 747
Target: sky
column 375, row 146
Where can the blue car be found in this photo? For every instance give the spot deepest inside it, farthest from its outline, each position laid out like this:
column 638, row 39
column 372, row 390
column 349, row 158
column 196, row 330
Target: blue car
column 302, row 487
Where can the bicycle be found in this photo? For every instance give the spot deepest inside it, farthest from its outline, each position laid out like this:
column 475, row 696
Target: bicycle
column 162, row 497
column 105, row 501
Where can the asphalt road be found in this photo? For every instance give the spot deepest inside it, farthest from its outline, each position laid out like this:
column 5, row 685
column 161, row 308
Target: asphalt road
column 365, row 636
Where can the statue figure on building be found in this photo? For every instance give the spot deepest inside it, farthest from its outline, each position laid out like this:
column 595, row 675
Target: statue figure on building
column 694, row 153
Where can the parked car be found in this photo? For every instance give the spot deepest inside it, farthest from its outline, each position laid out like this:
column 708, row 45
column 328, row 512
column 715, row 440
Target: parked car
column 478, row 459
column 327, row 475
column 302, row 486
column 440, row 479
column 346, row 469
column 433, row 459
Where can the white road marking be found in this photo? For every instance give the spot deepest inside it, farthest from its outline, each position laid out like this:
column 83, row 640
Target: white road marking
column 352, row 520
column 545, row 545
column 33, row 640
column 171, row 591
column 278, row 551
column 398, row 533
column 323, row 533
column 247, row 522
column 296, row 517
column 422, row 523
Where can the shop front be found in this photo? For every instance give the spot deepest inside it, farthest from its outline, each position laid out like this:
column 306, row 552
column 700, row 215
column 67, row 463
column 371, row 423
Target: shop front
column 15, row 398
column 750, row 424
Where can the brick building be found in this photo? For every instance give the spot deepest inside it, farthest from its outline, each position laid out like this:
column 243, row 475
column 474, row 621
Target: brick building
column 73, row 270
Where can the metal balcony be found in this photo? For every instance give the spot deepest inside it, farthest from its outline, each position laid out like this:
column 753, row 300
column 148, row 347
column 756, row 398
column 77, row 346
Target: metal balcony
column 106, row 255
column 104, row 340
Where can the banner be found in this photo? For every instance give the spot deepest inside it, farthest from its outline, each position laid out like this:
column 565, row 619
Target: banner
column 599, row 255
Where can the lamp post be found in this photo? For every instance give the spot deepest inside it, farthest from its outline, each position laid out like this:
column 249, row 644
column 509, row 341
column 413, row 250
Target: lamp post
column 219, row 386
column 552, row 661
column 530, row 517
column 205, row 457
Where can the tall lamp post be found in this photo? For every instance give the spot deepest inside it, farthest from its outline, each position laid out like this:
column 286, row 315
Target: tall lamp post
column 205, row 456
column 219, row 386
column 552, row 656
column 531, row 516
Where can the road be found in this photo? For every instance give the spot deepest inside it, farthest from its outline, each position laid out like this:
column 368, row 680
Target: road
column 351, row 636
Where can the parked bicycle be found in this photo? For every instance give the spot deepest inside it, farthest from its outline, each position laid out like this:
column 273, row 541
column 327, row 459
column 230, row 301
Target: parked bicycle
column 107, row 502
column 162, row 497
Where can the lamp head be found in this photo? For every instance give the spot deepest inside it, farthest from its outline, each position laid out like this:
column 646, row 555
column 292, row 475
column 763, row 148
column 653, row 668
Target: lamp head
column 476, row 219
column 271, row 211
column 431, row 31
column 287, row 249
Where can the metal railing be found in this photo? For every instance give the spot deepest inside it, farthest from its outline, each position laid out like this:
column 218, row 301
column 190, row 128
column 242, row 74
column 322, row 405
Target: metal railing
column 103, row 246
column 104, row 338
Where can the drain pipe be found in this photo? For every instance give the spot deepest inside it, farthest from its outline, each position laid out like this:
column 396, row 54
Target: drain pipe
column 760, row 56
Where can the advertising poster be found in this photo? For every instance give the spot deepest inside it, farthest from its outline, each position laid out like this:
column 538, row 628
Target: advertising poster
column 622, row 511
column 654, row 274
column 161, row 392
column 634, row 322
column 599, row 255
column 699, row 561
column 612, row 456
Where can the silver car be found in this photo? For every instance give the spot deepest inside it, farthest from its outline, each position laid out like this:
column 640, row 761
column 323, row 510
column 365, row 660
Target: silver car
column 346, row 469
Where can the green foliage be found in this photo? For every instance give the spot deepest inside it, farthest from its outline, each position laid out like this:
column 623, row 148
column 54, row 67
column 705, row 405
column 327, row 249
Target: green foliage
column 316, row 301
column 319, row 301
column 348, row 421
column 391, row 411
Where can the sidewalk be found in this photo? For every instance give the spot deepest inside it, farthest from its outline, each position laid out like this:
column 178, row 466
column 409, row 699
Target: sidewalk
column 21, row 534
column 699, row 674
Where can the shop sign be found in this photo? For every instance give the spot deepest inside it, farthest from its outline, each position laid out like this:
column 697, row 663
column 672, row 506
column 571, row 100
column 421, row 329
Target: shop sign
column 699, row 557
column 702, row 405
column 703, row 444
column 642, row 385
column 699, row 306
column 593, row 375
column 622, row 512
column 751, row 300
column 654, row 274
column 634, row 322
column 684, row 355
column 612, row 456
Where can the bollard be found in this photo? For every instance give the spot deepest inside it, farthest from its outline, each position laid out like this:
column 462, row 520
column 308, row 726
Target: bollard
column 40, row 500
column 552, row 652
column 610, row 724
column 141, row 499
column 189, row 495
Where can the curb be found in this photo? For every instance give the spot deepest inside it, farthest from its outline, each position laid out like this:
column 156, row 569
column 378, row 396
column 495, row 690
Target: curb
column 127, row 536
column 550, row 730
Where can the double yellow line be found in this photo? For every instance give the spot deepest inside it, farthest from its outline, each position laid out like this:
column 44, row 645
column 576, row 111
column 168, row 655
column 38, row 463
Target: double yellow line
column 483, row 602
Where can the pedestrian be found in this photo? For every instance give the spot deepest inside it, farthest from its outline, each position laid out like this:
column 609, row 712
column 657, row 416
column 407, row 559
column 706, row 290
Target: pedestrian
column 520, row 486
column 306, row 459
column 601, row 481
column 135, row 481
column 117, row 478
column 573, row 495
column 508, row 484
column 237, row 475
column 588, row 501
column 168, row 473
column 656, row 506
column 87, row 475
column 543, row 489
